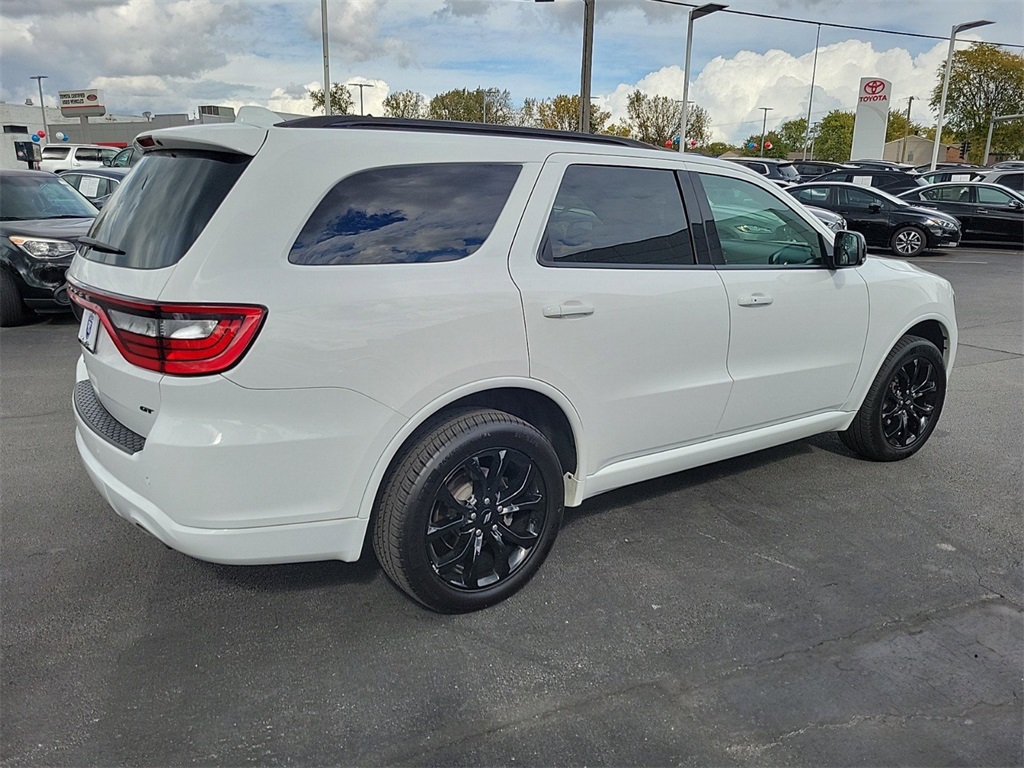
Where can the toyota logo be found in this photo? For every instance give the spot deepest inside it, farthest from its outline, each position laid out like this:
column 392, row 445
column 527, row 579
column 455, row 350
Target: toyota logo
column 874, row 86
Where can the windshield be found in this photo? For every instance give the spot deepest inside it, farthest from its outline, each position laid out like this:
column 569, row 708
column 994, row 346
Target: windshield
column 162, row 206
column 42, row 196
column 789, row 172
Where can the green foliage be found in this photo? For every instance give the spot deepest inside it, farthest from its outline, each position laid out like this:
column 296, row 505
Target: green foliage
column 562, row 113
column 715, row 149
column 656, row 119
column 341, row 99
column 405, row 104
column 896, row 128
column 984, row 81
column 835, row 137
column 468, row 106
column 779, row 148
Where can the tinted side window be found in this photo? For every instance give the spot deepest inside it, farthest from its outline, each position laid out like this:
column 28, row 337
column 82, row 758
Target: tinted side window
column 406, row 214
column 991, row 196
column 757, row 228
column 948, row 194
column 87, row 153
column 606, row 215
column 55, row 153
column 1012, row 180
column 854, row 198
column 812, row 196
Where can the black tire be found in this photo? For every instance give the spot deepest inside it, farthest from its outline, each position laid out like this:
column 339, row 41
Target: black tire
column 444, row 545
column 908, row 242
column 903, row 404
column 12, row 309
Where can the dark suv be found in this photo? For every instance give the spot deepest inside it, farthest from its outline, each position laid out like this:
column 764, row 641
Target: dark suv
column 780, row 172
column 893, row 182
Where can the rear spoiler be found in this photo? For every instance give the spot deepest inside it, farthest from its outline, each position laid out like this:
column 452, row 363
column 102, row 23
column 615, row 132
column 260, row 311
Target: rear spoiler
column 245, row 136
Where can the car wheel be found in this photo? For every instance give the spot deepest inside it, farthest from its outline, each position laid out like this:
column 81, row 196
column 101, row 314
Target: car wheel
column 469, row 511
column 12, row 309
column 908, row 242
column 903, row 404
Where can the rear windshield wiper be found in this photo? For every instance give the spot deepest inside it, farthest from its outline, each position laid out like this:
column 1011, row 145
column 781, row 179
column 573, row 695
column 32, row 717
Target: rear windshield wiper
column 99, row 245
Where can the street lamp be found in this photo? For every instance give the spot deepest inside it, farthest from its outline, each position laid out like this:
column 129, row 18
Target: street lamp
column 39, row 80
column 586, row 66
column 490, row 93
column 764, row 126
column 327, row 66
column 360, row 86
column 694, row 14
column 957, row 28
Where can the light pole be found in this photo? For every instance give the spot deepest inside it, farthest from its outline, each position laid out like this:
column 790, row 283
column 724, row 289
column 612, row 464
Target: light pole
column 586, row 66
column 693, row 15
column 39, row 80
column 957, row 28
column 327, row 66
column 906, row 133
column 360, row 86
column 764, row 126
column 810, row 96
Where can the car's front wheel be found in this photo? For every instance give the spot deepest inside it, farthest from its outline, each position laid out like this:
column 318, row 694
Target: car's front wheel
column 469, row 510
column 903, row 404
column 12, row 309
column 908, row 242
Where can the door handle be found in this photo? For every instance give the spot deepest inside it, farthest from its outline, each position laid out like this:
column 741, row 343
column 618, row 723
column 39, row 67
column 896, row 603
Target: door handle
column 568, row 309
column 982, row 210
column 755, row 300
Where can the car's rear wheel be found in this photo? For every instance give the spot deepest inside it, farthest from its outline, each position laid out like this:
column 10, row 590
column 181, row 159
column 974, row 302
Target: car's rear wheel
column 903, row 404
column 908, row 242
column 12, row 308
column 469, row 510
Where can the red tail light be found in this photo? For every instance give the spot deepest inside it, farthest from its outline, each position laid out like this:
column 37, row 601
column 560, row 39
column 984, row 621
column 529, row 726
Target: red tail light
column 178, row 339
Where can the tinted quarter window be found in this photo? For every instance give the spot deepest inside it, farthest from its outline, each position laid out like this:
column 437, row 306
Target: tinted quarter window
column 406, row 214
column 606, row 215
column 990, row 196
column 854, row 199
column 162, row 206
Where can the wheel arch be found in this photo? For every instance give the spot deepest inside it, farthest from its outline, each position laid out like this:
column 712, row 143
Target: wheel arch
column 544, row 407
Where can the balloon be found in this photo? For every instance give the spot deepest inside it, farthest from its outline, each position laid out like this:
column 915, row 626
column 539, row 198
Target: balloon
column 42, row 134
column 66, row 137
column 767, row 145
column 35, row 138
column 60, row 136
column 752, row 145
column 668, row 143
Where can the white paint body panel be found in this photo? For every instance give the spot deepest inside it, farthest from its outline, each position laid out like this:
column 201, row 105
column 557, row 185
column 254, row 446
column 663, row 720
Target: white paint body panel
column 280, row 458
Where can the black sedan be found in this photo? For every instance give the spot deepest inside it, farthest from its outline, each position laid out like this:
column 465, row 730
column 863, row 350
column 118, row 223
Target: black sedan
column 41, row 219
column 989, row 214
column 884, row 220
column 96, row 184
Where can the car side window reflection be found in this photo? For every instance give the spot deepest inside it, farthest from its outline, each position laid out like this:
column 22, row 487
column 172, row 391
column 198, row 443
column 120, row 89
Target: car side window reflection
column 757, row 228
column 990, row 196
column 949, row 194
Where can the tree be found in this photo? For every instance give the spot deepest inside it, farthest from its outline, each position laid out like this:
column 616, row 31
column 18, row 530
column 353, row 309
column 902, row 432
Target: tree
column 341, row 99
column 698, row 124
column 793, row 135
column 896, row 128
column 835, row 137
column 527, row 115
column 779, row 148
column 468, row 106
column 621, row 128
column 405, row 104
column 715, row 148
column 562, row 113
column 984, row 81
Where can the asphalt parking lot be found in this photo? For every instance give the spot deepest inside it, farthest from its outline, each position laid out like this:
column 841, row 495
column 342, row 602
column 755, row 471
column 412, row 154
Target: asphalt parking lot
column 793, row 607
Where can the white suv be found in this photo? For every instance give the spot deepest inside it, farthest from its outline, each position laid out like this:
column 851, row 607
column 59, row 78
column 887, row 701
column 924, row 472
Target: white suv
column 303, row 337
column 62, row 157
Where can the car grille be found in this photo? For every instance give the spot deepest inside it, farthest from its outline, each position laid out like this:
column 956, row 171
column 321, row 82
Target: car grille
column 102, row 423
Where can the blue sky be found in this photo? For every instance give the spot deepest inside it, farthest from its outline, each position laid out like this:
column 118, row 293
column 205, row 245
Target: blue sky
column 172, row 56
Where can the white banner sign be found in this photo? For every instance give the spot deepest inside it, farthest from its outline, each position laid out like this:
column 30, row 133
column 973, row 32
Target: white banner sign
column 81, row 104
column 873, row 99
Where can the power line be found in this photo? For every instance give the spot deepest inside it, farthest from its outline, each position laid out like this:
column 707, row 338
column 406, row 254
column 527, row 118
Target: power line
column 832, row 24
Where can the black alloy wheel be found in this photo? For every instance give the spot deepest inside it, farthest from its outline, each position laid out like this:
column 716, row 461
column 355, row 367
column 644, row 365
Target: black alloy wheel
column 469, row 510
column 902, row 405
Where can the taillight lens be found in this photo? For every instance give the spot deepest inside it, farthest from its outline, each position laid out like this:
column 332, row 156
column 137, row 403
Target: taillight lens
column 178, row 339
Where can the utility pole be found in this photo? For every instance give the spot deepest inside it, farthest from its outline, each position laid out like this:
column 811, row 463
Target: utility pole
column 906, row 133
column 46, row 128
column 810, row 96
column 586, row 66
column 327, row 66
column 764, row 126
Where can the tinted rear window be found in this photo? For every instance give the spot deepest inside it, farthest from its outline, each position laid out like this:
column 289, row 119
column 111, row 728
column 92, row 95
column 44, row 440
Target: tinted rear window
column 406, row 214
column 55, row 153
column 788, row 172
column 162, row 206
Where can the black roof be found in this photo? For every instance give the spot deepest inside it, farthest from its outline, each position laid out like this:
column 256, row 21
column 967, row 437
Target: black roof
column 450, row 126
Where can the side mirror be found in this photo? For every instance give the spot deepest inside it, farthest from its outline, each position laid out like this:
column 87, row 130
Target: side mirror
column 848, row 250
column 1016, row 204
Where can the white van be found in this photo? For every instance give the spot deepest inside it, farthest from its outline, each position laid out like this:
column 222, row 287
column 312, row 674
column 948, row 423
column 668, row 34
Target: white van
column 61, row 157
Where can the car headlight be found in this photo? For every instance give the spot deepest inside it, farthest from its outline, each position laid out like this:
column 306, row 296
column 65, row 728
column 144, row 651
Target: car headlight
column 941, row 223
column 43, row 247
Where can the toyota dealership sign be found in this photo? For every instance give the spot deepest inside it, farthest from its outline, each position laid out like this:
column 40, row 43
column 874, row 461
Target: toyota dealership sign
column 81, row 104
column 873, row 99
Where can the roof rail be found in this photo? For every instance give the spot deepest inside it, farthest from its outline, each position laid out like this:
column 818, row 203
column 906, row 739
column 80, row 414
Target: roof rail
column 451, row 126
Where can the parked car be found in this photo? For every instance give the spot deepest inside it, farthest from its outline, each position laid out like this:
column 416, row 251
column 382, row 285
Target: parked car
column 890, row 181
column 42, row 218
column 811, row 169
column 950, row 174
column 126, row 158
column 60, row 157
column 1009, row 165
column 881, row 165
column 446, row 332
column 946, row 166
column 780, row 172
column 95, row 184
column 884, row 220
column 1008, row 178
column 989, row 214
column 832, row 220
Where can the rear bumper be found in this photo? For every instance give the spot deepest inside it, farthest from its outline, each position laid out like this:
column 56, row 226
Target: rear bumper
column 240, row 476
